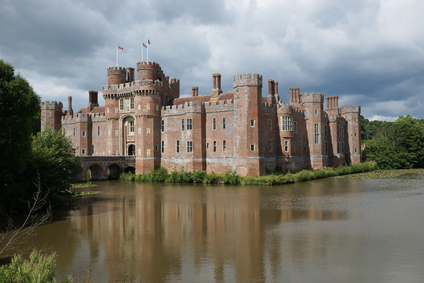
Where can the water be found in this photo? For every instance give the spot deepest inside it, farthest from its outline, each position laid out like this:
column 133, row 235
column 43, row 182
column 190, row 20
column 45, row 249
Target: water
column 331, row 230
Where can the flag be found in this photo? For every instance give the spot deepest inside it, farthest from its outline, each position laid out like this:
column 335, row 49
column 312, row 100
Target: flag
column 144, row 45
column 122, row 48
column 148, row 41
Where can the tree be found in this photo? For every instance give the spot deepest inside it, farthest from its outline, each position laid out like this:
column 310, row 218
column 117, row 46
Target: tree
column 19, row 104
column 398, row 144
column 53, row 158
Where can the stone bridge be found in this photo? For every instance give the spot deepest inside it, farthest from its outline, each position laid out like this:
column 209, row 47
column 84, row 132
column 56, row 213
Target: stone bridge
column 105, row 167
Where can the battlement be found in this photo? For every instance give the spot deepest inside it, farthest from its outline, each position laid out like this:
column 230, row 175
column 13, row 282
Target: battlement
column 312, row 98
column 247, row 80
column 269, row 107
column 285, row 109
column 138, row 87
column 350, row 109
column 219, row 106
column 182, row 109
column 51, row 105
column 148, row 65
column 116, row 70
column 83, row 117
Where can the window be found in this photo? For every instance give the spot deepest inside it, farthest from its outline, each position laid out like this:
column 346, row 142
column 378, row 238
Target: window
column 148, row 131
column 92, row 149
column 325, row 130
column 156, row 147
column 162, row 125
column 214, row 123
column 295, row 127
column 354, row 135
column 182, row 124
column 214, row 146
column 326, row 147
column 83, row 133
column 305, row 149
column 338, row 147
column 83, row 151
column 286, row 146
column 270, row 146
column 178, row 146
column 223, row 123
column 132, row 103
column 342, row 147
column 287, row 123
column 98, row 130
column 316, row 112
column 252, row 147
column 316, row 131
column 269, row 125
column 190, row 146
column 207, row 145
column 342, row 132
column 338, row 134
column 322, row 133
column 162, row 146
column 189, row 124
column 354, row 120
column 252, row 123
column 300, row 147
column 131, row 127
column 224, row 145
column 121, row 104
column 74, row 132
column 356, row 150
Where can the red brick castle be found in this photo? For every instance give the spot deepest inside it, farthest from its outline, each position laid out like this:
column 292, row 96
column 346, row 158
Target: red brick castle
column 239, row 130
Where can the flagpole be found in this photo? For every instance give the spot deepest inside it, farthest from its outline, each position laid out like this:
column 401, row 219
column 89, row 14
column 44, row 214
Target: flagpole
column 142, row 57
column 147, row 51
column 116, row 56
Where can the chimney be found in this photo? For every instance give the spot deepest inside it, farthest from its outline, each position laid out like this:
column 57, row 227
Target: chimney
column 92, row 99
column 195, row 91
column 270, row 87
column 216, row 88
column 277, row 97
column 70, row 111
column 130, row 74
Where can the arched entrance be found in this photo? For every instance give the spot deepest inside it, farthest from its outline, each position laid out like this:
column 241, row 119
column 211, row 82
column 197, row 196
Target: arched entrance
column 131, row 149
column 113, row 172
column 94, row 172
column 130, row 169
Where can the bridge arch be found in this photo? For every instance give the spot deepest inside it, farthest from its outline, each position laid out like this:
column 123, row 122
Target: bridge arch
column 95, row 172
column 113, row 171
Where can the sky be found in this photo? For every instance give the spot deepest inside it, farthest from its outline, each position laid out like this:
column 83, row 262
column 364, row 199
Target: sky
column 368, row 52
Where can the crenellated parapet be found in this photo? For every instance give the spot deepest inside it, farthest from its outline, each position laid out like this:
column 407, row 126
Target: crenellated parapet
column 312, row 98
column 332, row 118
column 247, row 80
column 270, row 108
column 174, row 87
column 77, row 118
column 350, row 109
column 138, row 87
column 51, row 105
column 182, row 109
column 116, row 75
column 285, row 109
column 219, row 106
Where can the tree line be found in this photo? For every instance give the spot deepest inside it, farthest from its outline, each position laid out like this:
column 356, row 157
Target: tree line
column 394, row 145
column 29, row 159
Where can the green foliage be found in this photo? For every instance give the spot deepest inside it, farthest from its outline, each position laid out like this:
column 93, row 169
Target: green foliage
column 38, row 269
column 231, row 178
column 54, row 160
column 212, row 178
column 398, row 145
column 19, row 107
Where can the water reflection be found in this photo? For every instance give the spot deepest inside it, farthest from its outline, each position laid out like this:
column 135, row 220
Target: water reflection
column 326, row 230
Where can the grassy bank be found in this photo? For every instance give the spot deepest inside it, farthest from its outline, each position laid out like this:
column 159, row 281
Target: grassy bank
column 201, row 177
column 385, row 174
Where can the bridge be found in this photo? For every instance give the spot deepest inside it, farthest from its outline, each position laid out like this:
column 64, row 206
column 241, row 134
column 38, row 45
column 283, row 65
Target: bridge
column 105, row 167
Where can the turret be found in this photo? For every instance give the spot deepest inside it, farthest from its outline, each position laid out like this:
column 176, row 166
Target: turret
column 149, row 71
column 332, row 105
column 70, row 110
column 116, row 75
column 352, row 115
column 51, row 115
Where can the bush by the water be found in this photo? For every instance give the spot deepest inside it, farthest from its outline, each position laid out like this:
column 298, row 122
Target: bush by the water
column 232, row 178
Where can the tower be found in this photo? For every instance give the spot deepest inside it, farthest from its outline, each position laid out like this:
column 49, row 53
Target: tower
column 248, row 118
column 51, row 115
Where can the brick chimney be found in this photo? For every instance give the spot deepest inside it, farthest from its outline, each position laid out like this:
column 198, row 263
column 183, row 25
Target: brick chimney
column 195, row 91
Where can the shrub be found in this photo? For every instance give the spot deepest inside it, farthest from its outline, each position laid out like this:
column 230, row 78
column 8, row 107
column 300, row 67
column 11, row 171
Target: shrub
column 199, row 176
column 231, row 178
column 39, row 268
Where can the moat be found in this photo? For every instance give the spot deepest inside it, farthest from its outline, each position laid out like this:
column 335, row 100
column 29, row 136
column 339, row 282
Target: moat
column 332, row 230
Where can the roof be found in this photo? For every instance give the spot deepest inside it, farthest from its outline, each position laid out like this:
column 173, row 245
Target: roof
column 200, row 98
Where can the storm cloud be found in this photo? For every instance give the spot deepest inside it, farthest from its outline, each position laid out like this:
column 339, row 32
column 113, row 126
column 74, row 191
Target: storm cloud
column 368, row 52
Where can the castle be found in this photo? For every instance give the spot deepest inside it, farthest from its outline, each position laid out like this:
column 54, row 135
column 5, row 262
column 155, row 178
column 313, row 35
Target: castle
column 222, row 131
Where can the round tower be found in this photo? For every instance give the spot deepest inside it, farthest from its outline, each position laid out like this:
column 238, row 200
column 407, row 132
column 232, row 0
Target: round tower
column 116, row 75
column 148, row 71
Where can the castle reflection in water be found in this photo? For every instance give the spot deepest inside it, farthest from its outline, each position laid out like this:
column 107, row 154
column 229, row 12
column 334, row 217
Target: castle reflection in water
column 155, row 233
